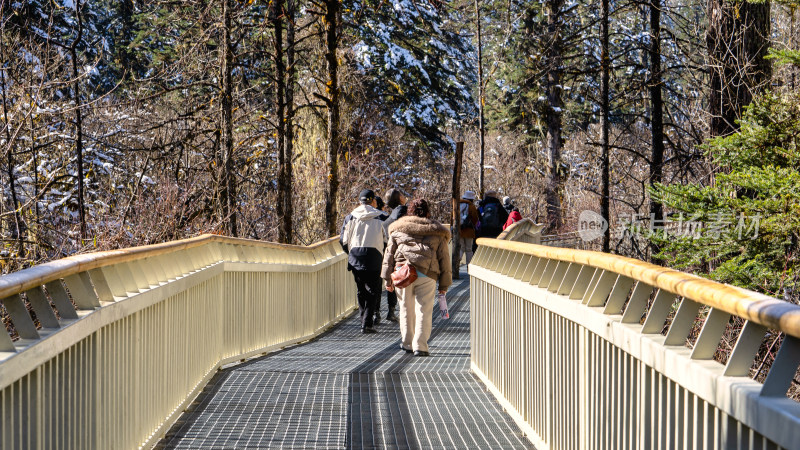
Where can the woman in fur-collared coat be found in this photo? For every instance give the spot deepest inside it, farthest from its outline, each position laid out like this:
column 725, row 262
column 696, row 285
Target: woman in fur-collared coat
column 423, row 242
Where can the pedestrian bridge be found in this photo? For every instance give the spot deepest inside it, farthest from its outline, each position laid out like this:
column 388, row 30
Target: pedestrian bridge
column 215, row 342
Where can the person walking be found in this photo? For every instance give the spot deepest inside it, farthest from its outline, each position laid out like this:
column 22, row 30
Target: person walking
column 396, row 202
column 363, row 238
column 493, row 215
column 422, row 242
column 513, row 218
column 508, row 205
column 469, row 223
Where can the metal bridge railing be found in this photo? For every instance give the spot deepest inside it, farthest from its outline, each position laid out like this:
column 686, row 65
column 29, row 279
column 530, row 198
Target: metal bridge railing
column 528, row 231
column 128, row 338
column 525, row 230
column 588, row 350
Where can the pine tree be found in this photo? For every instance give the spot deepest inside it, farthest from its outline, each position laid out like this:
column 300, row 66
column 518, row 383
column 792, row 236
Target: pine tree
column 745, row 228
column 416, row 66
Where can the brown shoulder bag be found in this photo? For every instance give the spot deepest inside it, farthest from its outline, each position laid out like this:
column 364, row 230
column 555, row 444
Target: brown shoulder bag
column 404, row 275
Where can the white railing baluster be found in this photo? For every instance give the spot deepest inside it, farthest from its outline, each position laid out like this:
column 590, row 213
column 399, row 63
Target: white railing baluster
column 582, row 283
column 60, row 298
column 596, row 276
column 598, row 295
column 783, row 369
column 126, row 278
column 147, row 269
column 637, row 305
column 178, row 310
column 540, row 270
column 570, row 277
column 710, row 335
column 682, row 323
column 139, row 278
column 522, row 265
column 114, row 282
column 618, row 295
column 81, row 291
column 657, row 316
column 547, row 274
column 101, row 285
column 600, row 381
column 41, row 306
column 6, row 345
column 20, row 318
column 558, row 275
column 527, row 272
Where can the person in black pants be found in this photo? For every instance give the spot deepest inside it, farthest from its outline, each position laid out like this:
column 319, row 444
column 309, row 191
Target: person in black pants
column 363, row 237
column 396, row 202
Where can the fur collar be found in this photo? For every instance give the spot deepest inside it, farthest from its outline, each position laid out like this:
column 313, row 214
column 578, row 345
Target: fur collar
column 419, row 226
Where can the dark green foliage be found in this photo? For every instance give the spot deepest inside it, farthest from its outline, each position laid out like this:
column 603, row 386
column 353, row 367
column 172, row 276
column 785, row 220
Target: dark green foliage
column 417, row 69
column 751, row 212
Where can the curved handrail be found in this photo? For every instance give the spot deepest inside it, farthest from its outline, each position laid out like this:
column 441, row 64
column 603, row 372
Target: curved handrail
column 31, row 277
column 149, row 326
column 524, row 225
column 755, row 307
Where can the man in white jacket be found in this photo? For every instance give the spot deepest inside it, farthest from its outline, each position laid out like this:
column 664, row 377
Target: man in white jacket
column 364, row 237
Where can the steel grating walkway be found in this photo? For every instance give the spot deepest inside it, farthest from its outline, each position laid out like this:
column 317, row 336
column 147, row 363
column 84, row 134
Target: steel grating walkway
column 348, row 390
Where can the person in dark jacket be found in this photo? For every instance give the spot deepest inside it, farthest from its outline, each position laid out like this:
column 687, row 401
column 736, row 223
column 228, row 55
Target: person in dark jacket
column 364, row 238
column 508, row 204
column 469, row 224
column 513, row 218
column 493, row 215
column 396, row 202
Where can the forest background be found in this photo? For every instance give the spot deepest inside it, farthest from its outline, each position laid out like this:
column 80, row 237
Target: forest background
column 133, row 122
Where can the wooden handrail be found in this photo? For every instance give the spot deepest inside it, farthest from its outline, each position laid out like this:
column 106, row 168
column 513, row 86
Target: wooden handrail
column 40, row 274
column 755, row 307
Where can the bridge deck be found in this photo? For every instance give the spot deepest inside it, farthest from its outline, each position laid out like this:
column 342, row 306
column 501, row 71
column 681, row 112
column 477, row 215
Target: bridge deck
column 347, row 390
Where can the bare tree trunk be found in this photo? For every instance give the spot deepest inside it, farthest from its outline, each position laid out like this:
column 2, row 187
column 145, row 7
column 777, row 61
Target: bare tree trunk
column 18, row 226
column 456, row 201
column 553, row 143
column 35, row 152
column 792, row 10
column 331, row 20
column 289, row 142
column 227, row 197
column 276, row 11
column 605, row 65
column 656, row 113
column 737, row 40
column 481, row 101
column 76, row 97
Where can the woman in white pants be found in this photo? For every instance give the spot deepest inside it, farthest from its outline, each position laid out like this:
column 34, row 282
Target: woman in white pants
column 422, row 242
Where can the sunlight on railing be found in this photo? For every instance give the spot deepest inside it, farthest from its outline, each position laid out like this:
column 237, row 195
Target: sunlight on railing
column 590, row 350
column 128, row 338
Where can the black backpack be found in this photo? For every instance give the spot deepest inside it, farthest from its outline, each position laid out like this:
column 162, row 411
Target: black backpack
column 491, row 216
column 466, row 221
